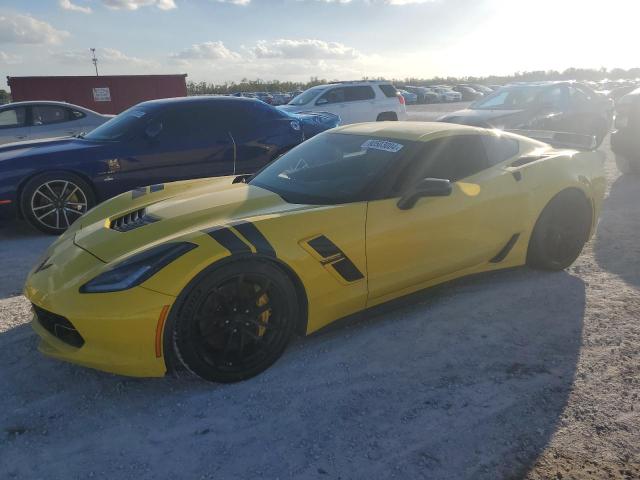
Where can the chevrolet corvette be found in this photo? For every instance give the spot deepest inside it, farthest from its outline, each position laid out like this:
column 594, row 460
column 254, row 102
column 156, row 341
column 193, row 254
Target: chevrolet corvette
column 215, row 276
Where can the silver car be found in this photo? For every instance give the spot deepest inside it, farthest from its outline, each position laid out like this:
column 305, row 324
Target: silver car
column 22, row 121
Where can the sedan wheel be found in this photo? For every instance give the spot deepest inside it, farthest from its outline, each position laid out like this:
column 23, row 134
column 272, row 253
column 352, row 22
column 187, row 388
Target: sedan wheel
column 51, row 203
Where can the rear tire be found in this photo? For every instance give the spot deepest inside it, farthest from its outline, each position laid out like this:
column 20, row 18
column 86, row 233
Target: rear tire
column 51, row 202
column 234, row 322
column 560, row 232
column 387, row 117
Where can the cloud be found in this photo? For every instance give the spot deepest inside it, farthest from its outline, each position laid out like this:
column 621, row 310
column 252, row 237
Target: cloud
column 205, row 51
column 235, row 2
column 19, row 28
column 308, row 49
column 106, row 56
column 136, row 4
column 9, row 59
column 67, row 5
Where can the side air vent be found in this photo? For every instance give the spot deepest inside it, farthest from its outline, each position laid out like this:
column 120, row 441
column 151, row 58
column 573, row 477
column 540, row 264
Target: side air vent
column 132, row 220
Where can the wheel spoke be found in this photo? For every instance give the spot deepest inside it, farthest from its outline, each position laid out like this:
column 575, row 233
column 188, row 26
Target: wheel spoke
column 57, row 218
column 64, row 189
column 66, row 219
column 48, row 205
column 46, row 214
column 39, row 192
column 227, row 347
column 69, row 195
column 73, row 210
column 51, row 190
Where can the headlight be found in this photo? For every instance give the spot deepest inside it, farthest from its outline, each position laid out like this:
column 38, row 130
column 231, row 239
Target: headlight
column 137, row 269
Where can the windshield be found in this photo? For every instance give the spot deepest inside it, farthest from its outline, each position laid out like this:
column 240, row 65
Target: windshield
column 331, row 168
column 508, row 98
column 308, row 95
column 124, row 125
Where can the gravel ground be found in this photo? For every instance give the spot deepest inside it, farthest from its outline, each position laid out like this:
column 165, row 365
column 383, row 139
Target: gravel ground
column 516, row 374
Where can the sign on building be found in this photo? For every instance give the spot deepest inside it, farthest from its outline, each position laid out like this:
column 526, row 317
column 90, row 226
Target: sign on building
column 101, row 94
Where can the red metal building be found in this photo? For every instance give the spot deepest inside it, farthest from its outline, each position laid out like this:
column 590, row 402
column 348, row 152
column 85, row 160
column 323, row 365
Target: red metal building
column 105, row 94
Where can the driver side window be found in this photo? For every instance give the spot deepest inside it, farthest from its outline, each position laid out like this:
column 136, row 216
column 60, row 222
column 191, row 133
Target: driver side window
column 335, row 95
column 450, row 158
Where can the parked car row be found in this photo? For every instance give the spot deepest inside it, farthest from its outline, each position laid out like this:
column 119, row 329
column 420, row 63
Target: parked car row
column 53, row 182
column 447, row 93
column 548, row 106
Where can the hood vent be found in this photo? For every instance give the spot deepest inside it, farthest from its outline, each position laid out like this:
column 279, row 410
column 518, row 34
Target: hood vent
column 132, row 220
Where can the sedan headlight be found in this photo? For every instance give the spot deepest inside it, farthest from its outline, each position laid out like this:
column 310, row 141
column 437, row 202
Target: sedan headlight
column 137, row 269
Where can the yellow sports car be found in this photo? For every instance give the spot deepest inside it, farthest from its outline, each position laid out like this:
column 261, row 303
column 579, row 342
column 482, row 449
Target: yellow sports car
column 216, row 275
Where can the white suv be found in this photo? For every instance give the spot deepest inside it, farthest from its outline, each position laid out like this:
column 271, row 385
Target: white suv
column 354, row 102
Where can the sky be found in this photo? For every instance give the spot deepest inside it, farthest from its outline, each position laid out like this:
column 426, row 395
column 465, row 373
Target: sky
column 227, row 40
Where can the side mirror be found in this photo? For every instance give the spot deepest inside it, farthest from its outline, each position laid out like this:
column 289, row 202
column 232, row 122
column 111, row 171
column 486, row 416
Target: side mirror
column 153, row 130
column 322, row 101
column 427, row 187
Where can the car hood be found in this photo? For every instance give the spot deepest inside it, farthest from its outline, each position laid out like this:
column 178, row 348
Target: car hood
column 486, row 118
column 44, row 146
column 175, row 210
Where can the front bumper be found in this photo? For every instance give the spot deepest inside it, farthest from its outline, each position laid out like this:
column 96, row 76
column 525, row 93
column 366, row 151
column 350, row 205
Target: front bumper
column 118, row 330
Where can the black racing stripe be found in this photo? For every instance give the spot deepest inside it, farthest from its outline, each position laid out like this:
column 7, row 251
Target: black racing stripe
column 229, row 240
column 325, row 247
column 138, row 192
column 347, row 270
column 249, row 231
column 502, row 254
column 156, row 188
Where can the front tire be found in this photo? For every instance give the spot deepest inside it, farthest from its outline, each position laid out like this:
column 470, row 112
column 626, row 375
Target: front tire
column 560, row 232
column 51, row 202
column 235, row 321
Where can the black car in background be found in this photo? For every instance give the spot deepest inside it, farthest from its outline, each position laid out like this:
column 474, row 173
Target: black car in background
column 468, row 93
column 547, row 106
column 625, row 140
column 425, row 95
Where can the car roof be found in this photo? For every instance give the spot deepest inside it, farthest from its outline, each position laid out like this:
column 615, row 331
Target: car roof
column 45, row 102
column 200, row 99
column 416, row 131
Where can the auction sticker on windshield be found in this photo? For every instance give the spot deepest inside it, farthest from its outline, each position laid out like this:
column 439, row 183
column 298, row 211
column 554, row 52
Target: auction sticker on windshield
column 383, row 145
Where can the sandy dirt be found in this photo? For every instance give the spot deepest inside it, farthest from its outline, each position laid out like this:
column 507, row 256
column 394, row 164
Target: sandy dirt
column 516, row 374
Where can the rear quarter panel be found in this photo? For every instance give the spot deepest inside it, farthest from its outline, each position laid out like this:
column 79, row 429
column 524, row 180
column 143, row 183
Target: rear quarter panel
column 545, row 178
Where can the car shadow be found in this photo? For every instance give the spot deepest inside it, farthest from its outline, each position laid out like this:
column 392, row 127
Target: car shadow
column 20, row 249
column 617, row 245
column 466, row 381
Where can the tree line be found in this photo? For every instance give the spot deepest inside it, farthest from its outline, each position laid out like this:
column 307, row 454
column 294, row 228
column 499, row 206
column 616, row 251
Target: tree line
column 258, row 85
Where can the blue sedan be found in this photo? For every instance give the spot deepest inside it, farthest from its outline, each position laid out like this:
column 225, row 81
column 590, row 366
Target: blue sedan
column 51, row 183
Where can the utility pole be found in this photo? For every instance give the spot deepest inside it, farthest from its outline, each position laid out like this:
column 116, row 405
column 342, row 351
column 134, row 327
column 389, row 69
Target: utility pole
column 94, row 60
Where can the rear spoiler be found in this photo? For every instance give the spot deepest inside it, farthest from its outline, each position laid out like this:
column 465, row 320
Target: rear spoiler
column 577, row 141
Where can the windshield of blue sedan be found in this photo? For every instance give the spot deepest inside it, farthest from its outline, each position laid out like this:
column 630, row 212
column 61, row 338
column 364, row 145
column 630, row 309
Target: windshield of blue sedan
column 509, row 98
column 308, row 95
column 121, row 126
column 331, row 168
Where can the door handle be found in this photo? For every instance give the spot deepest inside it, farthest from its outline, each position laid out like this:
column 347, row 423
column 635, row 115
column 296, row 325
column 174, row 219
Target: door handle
column 21, row 137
